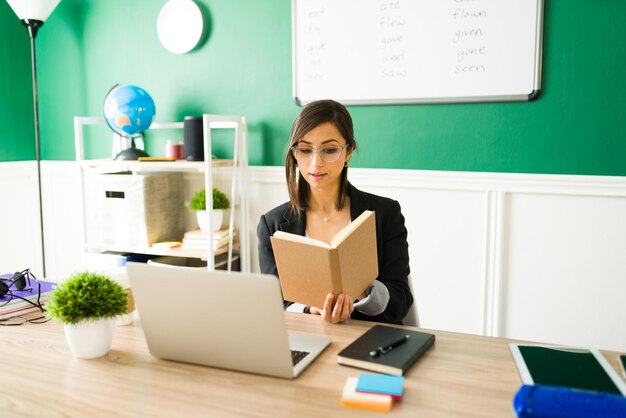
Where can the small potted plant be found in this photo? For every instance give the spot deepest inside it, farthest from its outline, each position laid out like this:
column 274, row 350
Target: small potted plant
column 220, row 205
column 87, row 304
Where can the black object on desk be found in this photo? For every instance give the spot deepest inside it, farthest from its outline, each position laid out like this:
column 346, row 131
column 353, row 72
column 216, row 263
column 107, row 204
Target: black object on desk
column 406, row 347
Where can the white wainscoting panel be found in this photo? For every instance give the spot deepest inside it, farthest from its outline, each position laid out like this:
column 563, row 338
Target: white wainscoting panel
column 447, row 249
column 535, row 257
column 566, row 276
column 62, row 219
column 20, row 232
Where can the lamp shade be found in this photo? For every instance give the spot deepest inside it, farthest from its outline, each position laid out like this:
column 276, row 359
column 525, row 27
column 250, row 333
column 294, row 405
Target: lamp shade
column 33, row 9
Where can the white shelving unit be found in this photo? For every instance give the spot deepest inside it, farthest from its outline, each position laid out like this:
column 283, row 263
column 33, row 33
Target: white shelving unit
column 238, row 164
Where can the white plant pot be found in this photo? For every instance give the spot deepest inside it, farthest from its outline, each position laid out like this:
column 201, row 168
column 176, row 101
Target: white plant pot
column 217, row 217
column 90, row 339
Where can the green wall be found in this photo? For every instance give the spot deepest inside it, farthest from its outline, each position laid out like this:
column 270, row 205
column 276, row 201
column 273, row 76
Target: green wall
column 576, row 126
column 17, row 136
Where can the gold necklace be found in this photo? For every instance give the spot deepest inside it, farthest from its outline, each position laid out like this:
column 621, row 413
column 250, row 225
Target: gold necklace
column 327, row 217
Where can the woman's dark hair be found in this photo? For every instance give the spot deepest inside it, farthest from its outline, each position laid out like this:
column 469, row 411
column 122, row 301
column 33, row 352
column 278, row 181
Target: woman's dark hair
column 311, row 116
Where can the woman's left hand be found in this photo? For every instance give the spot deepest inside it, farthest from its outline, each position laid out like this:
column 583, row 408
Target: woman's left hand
column 340, row 312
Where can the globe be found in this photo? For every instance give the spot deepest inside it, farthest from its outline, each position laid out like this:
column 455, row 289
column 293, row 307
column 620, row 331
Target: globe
column 128, row 110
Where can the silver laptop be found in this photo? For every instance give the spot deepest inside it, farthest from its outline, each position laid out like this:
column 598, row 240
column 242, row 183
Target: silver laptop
column 219, row 319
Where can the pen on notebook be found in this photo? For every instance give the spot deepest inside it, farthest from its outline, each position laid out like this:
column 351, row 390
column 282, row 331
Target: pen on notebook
column 384, row 349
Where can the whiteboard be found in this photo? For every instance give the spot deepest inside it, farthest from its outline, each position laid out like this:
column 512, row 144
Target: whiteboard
column 416, row 51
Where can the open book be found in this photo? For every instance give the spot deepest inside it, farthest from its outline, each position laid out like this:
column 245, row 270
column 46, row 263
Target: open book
column 309, row 269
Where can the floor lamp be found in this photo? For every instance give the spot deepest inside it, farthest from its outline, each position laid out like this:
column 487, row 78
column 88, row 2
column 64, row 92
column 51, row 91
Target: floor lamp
column 33, row 13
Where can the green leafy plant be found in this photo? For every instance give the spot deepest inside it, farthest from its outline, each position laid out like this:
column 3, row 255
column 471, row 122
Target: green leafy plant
column 198, row 201
column 87, row 296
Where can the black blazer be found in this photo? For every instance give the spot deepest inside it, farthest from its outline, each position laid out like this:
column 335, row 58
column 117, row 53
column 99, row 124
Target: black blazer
column 393, row 249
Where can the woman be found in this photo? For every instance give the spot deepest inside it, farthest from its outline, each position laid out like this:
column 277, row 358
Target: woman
column 322, row 202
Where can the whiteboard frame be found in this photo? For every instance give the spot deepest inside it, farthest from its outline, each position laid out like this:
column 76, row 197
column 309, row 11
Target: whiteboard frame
column 431, row 100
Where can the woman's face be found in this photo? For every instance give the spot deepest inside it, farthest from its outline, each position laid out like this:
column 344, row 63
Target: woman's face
column 321, row 174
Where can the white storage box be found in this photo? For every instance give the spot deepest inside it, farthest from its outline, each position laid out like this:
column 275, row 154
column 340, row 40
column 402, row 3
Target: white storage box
column 134, row 209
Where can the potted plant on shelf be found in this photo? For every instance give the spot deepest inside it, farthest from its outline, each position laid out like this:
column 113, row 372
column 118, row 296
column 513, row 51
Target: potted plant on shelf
column 87, row 304
column 220, row 205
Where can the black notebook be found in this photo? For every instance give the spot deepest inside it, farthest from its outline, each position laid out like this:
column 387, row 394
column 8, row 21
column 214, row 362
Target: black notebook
column 366, row 351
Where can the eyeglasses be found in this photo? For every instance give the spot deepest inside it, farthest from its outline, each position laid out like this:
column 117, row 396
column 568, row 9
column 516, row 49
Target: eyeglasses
column 328, row 154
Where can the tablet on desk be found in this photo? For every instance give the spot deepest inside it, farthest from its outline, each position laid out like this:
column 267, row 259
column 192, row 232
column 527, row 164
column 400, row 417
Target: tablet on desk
column 580, row 368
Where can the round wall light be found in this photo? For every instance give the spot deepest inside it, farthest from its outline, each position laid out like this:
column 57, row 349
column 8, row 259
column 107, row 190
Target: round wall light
column 180, row 25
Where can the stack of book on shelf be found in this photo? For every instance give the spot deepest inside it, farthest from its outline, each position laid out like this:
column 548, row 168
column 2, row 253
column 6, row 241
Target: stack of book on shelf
column 198, row 240
column 14, row 304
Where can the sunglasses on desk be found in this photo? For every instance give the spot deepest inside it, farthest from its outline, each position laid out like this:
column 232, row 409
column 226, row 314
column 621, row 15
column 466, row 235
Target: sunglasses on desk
column 9, row 287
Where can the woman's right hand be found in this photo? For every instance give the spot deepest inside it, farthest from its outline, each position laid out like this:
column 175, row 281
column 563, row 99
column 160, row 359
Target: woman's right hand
column 340, row 312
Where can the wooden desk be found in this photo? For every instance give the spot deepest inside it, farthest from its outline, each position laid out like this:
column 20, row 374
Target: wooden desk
column 461, row 376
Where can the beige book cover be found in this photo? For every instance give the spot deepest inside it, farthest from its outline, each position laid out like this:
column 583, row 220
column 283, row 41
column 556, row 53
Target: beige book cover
column 309, row 269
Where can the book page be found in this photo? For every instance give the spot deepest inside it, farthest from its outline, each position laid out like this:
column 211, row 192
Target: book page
column 299, row 238
column 347, row 230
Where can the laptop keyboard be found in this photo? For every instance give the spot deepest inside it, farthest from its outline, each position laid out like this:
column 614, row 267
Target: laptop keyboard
column 297, row 356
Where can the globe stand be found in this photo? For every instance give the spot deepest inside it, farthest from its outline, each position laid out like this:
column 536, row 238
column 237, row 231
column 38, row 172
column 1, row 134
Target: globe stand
column 132, row 153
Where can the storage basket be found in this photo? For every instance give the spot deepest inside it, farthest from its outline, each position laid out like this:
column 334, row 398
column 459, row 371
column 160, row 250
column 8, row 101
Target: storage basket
column 134, row 209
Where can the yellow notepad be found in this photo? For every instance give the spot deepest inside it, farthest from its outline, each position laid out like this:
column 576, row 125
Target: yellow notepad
column 166, row 244
column 156, row 159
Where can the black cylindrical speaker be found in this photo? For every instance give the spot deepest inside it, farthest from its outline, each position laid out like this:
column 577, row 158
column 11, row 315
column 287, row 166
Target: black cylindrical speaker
column 194, row 140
